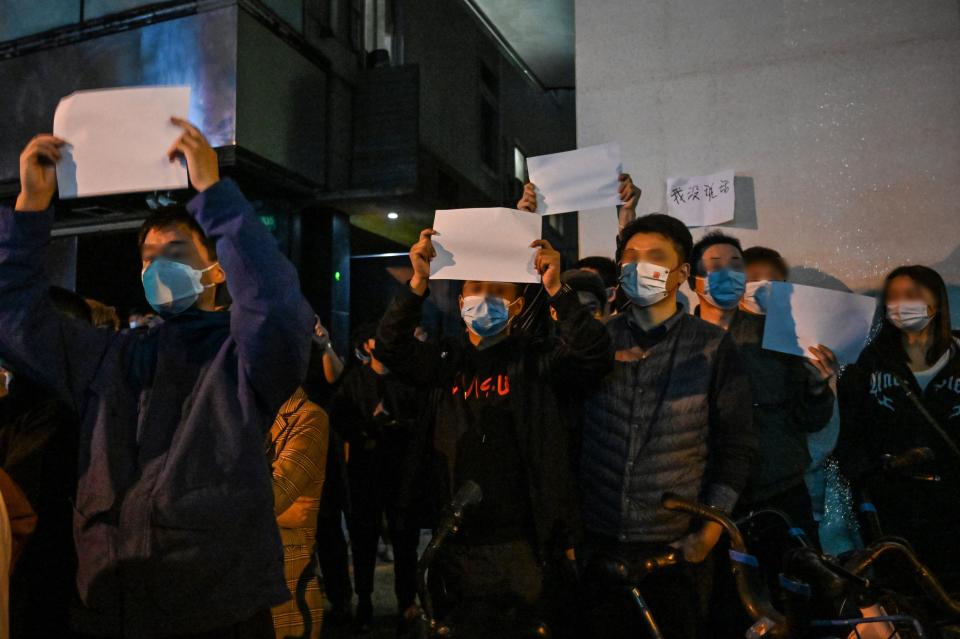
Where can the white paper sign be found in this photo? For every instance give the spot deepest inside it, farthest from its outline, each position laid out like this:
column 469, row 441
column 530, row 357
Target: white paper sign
column 489, row 245
column 802, row 316
column 578, row 180
column 118, row 140
column 702, row 200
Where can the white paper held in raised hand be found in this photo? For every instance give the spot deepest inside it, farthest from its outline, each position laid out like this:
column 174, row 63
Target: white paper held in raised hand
column 577, row 180
column 702, row 200
column 802, row 316
column 489, row 245
column 117, row 140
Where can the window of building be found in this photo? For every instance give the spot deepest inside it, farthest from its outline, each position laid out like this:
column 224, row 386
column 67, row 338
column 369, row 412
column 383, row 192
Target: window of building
column 377, row 25
column 519, row 165
column 489, row 134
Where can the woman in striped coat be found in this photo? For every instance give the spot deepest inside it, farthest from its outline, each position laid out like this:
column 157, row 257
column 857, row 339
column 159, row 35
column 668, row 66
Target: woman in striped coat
column 297, row 447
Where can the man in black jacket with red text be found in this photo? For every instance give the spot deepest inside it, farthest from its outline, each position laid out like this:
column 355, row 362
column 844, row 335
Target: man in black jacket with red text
column 495, row 420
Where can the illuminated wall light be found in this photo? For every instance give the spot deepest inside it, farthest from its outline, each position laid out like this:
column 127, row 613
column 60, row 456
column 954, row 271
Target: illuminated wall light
column 393, row 215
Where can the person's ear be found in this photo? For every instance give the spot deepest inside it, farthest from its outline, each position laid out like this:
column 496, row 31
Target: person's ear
column 684, row 271
column 461, row 303
column 217, row 275
column 699, row 285
column 517, row 307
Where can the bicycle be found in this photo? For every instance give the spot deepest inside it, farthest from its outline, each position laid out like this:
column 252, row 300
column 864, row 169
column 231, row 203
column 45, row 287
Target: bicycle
column 813, row 584
column 449, row 526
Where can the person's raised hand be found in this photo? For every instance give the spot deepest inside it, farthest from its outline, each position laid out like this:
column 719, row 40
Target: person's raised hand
column 630, row 197
column 547, row 263
column 202, row 164
column 823, row 368
column 321, row 336
column 38, row 172
column 420, row 255
column 529, row 200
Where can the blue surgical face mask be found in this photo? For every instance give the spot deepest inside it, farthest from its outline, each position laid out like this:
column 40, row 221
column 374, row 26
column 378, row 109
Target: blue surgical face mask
column 644, row 283
column 485, row 316
column 172, row 287
column 725, row 287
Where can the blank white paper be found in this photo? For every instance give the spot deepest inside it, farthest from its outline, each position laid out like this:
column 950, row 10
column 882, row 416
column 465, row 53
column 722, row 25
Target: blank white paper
column 578, row 180
column 802, row 316
column 488, row 245
column 117, row 140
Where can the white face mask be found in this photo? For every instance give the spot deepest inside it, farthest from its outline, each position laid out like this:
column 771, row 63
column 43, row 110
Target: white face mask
column 644, row 283
column 755, row 297
column 910, row 316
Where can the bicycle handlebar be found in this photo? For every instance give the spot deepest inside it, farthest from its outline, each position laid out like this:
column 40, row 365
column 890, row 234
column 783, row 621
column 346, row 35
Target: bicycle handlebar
column 745, row 574
column 926, row 579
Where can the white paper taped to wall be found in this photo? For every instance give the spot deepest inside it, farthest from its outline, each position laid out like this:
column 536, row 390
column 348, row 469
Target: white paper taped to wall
column 702, row 200
column 578, row 180
column 801, row 316
column 117, row 140
column 489, row 245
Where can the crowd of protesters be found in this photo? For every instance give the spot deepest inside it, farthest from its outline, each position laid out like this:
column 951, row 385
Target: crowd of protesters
column 189, row 475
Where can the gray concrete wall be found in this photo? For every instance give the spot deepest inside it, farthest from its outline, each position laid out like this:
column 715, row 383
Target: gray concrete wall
column 845, row 114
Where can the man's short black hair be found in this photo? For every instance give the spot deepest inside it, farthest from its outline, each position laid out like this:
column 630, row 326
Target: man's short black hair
column 764, row 255
column 712, row 238
column 363, row 333
column 582, row 280
column 667, row 226
column 176, row 216
column 604, row 266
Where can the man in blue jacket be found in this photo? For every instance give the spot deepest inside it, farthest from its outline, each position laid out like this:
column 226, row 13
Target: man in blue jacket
column 174, row 521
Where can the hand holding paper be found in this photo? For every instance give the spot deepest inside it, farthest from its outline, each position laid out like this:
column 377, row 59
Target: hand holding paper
column 547, row 263
column 38, row 179
column 202, row 162
column 420, row 255
column 491, row 245
column 800, row 317
column 117, row 139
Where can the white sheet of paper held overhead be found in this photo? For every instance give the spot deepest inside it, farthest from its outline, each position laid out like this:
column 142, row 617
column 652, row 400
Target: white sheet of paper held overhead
column 118, row 140
column 578, row 180
column 802, row 316
column 702, row 200
column 491, row 245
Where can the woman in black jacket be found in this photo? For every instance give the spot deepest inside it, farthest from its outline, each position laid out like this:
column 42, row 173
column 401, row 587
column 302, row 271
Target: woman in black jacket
column 914, row 350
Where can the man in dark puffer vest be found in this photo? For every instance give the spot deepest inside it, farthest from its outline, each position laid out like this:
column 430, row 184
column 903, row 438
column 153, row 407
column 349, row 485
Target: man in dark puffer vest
column 674, row 416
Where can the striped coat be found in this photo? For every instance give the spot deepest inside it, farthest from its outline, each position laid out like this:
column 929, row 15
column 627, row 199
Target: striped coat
column 297, row 448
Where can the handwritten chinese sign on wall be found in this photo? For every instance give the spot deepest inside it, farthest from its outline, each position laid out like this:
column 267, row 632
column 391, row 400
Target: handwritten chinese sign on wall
column 703, row 200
